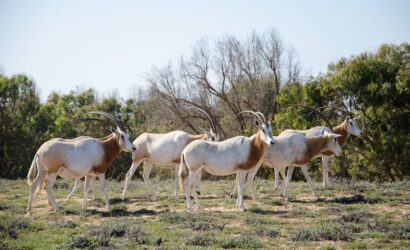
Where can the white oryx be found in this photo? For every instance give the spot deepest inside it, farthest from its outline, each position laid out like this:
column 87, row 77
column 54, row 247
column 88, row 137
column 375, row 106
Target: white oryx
column 296, row 150
column 235, row 155
column 75, row 158
column 165, row 149
column 345, row 129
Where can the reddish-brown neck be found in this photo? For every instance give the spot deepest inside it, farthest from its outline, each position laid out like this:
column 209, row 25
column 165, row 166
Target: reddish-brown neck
column 256, row 149
column 111, row 151
column 341, row 129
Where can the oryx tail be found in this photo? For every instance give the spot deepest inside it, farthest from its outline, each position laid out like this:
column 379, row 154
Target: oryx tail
column 32, row 173
column 183, row 172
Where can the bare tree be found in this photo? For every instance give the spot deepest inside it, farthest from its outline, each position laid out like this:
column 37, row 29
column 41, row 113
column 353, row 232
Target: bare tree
column 227, row 76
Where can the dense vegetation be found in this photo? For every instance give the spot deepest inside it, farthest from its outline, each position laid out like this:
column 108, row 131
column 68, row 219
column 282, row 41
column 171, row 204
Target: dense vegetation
column 225, row 77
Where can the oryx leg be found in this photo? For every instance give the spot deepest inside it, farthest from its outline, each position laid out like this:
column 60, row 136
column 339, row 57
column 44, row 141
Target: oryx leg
column 33, row 188
column 188, row 185
column 251, row 181
column 325, row 161
column 49, row 189
column 75, row 188
column 93, row 180
column 276, row 177
column 193, row 186
column 101, row 178
column 176, row 181
column 235, row 187
column 241, row 183
column 198, row 183
column 86, row 190
column 129, row 175
column 288, row 178
column 309, row 180
column 283, row 173
column 145, row 176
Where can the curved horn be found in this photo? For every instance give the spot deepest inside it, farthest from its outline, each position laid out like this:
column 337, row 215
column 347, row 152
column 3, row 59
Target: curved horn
column 110, row 116
column 347, row 113
column 316, row 112
column 262, row 116
column 253, row 113
column 93, row 119
column 207, row 116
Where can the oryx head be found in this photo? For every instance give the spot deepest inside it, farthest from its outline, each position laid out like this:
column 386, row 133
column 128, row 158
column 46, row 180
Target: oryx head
column 352, row 127
column 332, row 143
column 118, row 128
column 264, row 126
column 350, row 123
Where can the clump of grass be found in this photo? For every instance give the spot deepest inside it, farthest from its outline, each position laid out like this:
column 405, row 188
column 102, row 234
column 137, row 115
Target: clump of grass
column 18, row 223
column 334, row 210
column 357, row 198
column 205, row 226
column 111, row 230
column 63, row 224
column 241, row 242
column 257, row 221
column 3, row 246
column 12, row 227
column 305, row 234
column 393, row 230
column 102, row 236
column 183, row 218
column 360, row 216
column 143, row 237
column 265, row 232
column 138, row 235
column 334, row 232
column 201, row 240
column 79, row 242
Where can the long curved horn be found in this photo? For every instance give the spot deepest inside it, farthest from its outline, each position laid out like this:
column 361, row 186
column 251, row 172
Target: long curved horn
column 347, row 113
column 207, row 116
column 262, row 116
column 94, row 119
column 316, row 112
column 253, row 113
column 110, row 116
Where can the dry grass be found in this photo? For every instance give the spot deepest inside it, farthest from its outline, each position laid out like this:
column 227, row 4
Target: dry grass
column 349, row 215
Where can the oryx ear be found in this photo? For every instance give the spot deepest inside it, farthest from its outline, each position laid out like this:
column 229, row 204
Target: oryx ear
column 204, row 131
column 257, row 123
column 331, row 135
column 114, row 130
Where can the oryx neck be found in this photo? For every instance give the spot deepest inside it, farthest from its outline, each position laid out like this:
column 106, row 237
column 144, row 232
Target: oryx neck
column 255, row 152
column 341, row 129
column 111, row 150
column 315, row 146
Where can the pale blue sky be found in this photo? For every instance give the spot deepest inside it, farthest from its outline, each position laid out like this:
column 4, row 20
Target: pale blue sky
column 110, row 45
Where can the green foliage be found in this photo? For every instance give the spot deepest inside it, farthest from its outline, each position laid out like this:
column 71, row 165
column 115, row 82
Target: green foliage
column 377, row 85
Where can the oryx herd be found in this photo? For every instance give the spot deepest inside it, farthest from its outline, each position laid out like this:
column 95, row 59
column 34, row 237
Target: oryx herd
column 90, row 157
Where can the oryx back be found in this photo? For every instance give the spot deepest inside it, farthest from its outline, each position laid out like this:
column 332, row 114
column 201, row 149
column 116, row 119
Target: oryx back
column 79, row 155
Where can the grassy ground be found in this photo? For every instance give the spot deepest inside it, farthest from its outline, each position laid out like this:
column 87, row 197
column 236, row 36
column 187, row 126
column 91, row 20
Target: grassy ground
column 351, row 215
